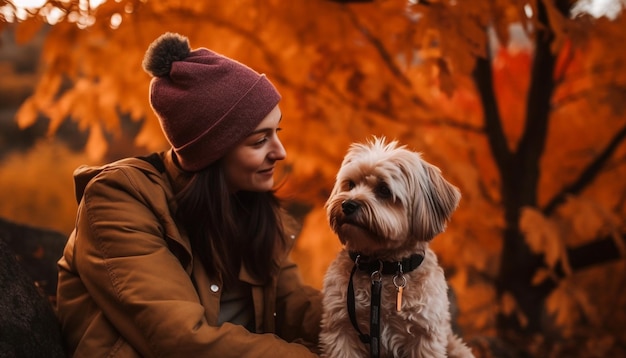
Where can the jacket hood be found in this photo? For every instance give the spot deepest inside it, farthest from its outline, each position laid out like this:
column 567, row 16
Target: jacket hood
column 85, row 173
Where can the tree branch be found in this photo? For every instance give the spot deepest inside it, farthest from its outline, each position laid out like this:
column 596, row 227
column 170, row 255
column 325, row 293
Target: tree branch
column 587, row 93
column 483, row 78
column 382, row 51
column 533, row 140
column 600, row 251
column 588, row 175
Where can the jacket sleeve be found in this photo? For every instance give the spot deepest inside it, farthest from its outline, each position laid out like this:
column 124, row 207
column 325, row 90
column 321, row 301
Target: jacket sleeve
column 141, row 287
column 299, row 307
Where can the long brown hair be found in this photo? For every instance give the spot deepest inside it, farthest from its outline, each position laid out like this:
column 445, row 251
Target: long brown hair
column 227, row 229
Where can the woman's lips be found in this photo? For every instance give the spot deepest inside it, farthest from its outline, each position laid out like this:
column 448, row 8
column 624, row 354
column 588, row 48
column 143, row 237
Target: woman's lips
column 269, row 171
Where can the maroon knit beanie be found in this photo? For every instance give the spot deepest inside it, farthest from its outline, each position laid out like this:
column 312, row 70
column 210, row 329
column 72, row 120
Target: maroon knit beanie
column 206, row 103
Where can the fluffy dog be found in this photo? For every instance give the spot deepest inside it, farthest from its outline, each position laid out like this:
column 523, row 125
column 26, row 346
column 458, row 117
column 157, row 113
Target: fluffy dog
column 385, row 294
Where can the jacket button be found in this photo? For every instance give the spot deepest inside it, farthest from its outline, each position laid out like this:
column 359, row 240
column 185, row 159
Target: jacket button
column 215, row 288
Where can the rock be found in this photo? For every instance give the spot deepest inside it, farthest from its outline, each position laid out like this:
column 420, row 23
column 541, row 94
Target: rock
column 28, row 325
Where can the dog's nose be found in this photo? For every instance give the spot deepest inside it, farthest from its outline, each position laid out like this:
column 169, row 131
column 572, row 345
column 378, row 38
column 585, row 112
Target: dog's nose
column 349, row 206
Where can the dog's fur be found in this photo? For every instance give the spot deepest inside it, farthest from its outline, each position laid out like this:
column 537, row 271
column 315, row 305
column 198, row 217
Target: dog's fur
column 402, row 202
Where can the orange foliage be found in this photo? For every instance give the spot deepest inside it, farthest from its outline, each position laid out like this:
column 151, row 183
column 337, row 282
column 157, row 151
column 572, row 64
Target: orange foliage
column 40, row 187
column 511, row 75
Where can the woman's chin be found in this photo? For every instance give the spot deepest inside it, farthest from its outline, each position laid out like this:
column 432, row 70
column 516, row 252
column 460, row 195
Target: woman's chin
column 263, row 186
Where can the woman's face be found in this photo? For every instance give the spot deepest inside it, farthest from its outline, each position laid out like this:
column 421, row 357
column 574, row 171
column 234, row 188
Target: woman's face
column 250, row 165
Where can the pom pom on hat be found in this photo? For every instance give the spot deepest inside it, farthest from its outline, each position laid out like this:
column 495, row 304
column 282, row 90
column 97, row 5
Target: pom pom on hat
column 163, row 52
column 206, row 103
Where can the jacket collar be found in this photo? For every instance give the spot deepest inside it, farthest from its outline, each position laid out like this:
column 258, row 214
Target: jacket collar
column 177, row 176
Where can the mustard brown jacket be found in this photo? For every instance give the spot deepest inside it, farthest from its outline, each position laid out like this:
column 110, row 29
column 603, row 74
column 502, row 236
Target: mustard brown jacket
column 130, row 286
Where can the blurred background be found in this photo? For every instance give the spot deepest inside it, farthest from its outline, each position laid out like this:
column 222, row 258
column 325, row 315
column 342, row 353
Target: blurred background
column 520, row 103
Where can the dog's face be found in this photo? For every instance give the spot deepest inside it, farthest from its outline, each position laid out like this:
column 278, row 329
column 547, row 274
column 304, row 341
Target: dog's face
column 387, row 199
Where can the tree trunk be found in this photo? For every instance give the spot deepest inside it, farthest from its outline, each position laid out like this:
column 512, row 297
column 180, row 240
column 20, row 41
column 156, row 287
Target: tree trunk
column 519, row 173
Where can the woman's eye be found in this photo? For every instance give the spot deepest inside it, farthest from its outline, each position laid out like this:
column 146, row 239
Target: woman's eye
column 266, row 137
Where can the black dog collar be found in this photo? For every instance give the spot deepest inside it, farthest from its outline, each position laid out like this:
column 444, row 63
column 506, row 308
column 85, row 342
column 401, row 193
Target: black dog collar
column 405, row 265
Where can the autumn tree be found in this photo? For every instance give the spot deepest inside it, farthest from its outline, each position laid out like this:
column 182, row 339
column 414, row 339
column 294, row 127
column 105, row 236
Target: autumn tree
column 520, row 103
column 532, row 261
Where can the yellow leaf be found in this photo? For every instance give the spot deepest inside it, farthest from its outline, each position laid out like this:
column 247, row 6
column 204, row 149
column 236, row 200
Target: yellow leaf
column 541, row 275
column 542, row 235
column 96, row 146
column 508, row 306
column 562, row 307
column 27, row 114
column 59, row 111
column 587, row 217
column 48, row 86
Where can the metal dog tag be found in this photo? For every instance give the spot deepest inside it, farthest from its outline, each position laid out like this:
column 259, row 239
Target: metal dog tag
column 399, row 289
column 399, row 299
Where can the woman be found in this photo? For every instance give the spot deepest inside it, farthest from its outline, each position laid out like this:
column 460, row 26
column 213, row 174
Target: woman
column 184, row 253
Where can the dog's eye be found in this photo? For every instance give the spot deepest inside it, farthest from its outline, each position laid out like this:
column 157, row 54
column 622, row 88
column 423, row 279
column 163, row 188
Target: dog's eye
column 351, row 185
column 383, row 191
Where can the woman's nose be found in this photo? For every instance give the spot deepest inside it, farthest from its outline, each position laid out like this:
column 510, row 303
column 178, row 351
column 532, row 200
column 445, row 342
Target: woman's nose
column 278, row 151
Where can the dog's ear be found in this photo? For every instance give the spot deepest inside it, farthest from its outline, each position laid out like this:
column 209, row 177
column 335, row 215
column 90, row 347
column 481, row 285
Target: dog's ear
column 440, row 200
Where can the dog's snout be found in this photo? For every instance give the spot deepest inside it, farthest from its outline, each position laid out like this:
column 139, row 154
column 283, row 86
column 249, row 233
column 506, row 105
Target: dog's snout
column 349, row 207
